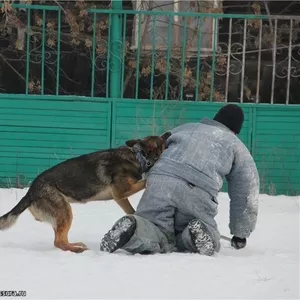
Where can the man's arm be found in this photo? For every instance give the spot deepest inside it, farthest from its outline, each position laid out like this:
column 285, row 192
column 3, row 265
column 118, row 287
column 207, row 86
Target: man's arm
column 243, row 190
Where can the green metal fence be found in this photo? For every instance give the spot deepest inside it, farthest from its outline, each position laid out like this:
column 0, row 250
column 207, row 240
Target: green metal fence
column 135, row 73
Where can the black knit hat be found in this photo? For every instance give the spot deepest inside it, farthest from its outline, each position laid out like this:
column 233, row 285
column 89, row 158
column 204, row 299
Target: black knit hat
column 232, row 116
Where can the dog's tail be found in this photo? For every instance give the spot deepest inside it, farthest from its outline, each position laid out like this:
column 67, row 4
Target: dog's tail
column 10, row 218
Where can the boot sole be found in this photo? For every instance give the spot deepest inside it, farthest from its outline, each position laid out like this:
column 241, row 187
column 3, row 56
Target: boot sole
column 201, row 238
column 119, row 235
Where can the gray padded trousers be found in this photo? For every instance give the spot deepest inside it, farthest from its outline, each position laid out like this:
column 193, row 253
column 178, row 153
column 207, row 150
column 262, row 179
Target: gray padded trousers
column 164, row 211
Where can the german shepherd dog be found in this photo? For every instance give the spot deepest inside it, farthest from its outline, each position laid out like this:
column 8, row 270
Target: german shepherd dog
column 102, row 175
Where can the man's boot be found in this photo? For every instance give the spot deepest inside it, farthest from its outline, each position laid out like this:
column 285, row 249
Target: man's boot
column 201, row 238
column 119, row 235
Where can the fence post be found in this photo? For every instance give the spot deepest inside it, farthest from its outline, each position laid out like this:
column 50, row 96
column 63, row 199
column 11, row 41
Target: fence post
column 116, row 53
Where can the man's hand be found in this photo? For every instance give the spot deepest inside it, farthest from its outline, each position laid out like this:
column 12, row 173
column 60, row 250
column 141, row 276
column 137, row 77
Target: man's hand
column 238, row 243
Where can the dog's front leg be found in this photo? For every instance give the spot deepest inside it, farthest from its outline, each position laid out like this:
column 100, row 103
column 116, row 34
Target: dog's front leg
column 121, row 196
column 125, row 205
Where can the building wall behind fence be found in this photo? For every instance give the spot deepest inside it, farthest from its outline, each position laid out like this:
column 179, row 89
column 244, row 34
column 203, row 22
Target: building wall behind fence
column 38, row 132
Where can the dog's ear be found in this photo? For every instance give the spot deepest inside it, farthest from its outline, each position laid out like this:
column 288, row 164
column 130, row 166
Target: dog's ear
column 166, row 135
column 162, row 140
column 131, row 143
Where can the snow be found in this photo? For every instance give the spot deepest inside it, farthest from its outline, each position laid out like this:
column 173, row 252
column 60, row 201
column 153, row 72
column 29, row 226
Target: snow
column 268, row 268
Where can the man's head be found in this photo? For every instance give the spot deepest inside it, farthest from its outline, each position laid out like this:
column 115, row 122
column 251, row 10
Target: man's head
column 232, row 116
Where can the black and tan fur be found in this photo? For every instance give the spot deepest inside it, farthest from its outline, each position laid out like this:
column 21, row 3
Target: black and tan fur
column 102, row 175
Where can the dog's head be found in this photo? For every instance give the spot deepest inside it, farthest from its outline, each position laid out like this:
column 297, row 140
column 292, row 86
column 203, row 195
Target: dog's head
column 151, row 147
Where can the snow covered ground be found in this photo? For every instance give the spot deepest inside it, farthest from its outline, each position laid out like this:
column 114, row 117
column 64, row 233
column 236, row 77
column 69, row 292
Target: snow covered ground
column 268, row 268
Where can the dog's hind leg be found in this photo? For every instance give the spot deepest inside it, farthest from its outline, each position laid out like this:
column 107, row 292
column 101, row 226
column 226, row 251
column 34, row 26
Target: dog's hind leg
column 63, row 224
column 54, row 209
column 34, row 214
